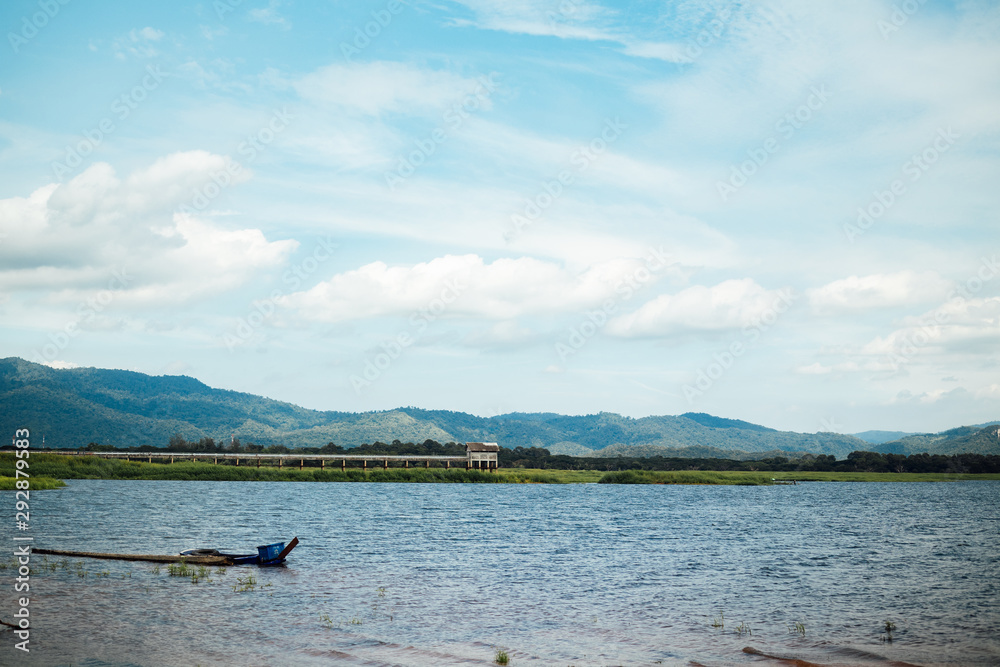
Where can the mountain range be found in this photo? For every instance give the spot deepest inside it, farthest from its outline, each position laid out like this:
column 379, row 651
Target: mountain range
column 74, row 407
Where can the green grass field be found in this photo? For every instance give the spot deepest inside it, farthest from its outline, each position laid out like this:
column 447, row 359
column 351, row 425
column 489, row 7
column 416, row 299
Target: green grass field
column 47, row 469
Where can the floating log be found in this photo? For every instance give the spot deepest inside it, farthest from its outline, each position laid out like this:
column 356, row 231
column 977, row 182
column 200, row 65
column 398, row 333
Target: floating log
column 152, row 558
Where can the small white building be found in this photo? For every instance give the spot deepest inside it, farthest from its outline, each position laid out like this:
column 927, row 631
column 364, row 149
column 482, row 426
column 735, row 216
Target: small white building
column 482, row 455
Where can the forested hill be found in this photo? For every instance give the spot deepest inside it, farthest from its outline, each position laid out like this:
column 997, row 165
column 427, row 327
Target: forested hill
column 984, row 439
column 73, row 407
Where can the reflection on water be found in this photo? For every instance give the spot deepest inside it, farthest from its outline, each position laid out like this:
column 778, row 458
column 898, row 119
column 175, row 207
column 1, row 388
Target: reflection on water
column 392, row 574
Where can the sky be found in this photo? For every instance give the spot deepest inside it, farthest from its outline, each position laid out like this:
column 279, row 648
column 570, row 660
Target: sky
column 781, row 212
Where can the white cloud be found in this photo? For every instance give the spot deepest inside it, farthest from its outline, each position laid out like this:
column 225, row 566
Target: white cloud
column 57, row 363
column 962, row 333
column 137, row 43
column 878, row 291
column 67, row 239
column 731, row 304
column 147, row 33
column 674, row 53
column 461, row 286
column 269, row 15
column 574, row 19
column 380, row 87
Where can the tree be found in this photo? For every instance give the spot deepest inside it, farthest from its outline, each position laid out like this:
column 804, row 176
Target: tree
column 177, row 443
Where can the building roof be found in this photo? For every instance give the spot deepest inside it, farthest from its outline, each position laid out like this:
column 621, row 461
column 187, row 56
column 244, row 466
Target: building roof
column 482, row 447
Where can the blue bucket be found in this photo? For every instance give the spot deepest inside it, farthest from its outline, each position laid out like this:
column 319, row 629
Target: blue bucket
column 270, row 552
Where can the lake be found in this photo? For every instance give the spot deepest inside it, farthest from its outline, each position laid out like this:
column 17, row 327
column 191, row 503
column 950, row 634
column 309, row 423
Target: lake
column 447, row 574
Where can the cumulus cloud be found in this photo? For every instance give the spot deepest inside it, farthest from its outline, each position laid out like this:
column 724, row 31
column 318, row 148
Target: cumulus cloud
column 463, row 285
column 880, row 290
column 731, row 304
column 67, row 239
column 961, row 326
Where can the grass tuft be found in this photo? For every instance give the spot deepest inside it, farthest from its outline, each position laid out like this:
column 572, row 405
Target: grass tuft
column 36, row 483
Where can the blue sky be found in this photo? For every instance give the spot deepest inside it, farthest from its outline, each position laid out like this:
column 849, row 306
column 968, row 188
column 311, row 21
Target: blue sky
column 779, row 212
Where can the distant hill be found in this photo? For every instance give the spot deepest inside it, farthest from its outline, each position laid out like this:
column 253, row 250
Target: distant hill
column 73, row 407
column 878, row 437
column 962, row 440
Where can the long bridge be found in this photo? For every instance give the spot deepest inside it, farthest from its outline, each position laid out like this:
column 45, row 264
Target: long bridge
column 478, row 456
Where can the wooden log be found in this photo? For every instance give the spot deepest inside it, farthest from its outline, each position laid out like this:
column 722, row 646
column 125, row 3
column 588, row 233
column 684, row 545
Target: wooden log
column 151, row 558
column 427, row 464
column 301, row 463
column 343, row 464
column 385, row 464
column 322, row 464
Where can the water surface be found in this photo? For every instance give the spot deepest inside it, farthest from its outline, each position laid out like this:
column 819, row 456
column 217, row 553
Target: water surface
column 445, row 574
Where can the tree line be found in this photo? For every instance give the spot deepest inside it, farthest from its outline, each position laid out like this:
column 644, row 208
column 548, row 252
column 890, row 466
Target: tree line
column 534, row 457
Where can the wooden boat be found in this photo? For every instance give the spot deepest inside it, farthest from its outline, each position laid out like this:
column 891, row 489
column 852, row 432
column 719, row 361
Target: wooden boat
column 267, row 555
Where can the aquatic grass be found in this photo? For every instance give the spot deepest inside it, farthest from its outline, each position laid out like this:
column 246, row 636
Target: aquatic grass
column 36, row 483
column 719, row 622
column 501, row 657
column 743, row 629
column 739, row 478
column 798, row 629
column 244, row 584
column 179, row 570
